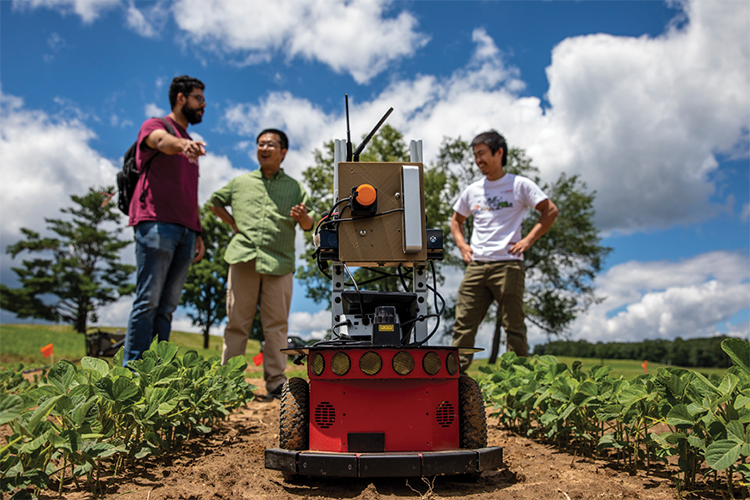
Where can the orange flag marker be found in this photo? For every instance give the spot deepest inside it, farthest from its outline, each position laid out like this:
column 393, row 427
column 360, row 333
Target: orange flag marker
column 645, row 366
column 258, row 359
column 47, row 350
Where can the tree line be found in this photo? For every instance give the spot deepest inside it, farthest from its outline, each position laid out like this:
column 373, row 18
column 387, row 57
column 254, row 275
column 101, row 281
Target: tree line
column 689, row 353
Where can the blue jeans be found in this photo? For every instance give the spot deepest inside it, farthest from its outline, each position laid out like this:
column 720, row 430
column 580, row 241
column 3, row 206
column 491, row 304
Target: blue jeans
column 163, row 253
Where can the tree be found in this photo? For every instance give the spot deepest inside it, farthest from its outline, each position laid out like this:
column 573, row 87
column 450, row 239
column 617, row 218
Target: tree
column 560, row 266
column 205, row 292
column 79, row 272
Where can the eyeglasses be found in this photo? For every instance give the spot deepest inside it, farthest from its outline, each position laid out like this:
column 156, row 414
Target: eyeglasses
column 198, row 98
column 268, row 145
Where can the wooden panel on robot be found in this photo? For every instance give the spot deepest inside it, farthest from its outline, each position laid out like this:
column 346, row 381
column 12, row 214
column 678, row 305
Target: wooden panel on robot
column 383, row 240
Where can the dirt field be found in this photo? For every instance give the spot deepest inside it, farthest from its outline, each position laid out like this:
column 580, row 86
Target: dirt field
column 229, row 464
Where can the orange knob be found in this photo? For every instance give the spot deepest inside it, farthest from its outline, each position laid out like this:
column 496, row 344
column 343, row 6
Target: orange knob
column 366, row 195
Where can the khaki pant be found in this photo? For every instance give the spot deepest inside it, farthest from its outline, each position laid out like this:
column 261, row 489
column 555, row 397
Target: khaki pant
column 483, row 283
column 245, row 289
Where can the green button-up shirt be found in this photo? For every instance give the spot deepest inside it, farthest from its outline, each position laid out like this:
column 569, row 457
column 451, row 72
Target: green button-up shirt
column 260, row 208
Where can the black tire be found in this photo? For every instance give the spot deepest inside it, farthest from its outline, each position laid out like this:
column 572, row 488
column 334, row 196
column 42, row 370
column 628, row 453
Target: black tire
column 294, row 414
column 472, row 420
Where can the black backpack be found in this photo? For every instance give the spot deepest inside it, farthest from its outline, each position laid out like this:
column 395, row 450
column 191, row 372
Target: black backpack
column 128, row 177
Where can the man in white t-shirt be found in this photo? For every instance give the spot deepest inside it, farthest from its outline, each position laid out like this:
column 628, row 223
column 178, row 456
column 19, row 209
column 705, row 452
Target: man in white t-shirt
column 495, row 268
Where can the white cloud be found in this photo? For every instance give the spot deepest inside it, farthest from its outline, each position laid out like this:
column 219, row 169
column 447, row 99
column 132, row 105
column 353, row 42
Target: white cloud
column 356, row 36
column 117, row 313
column 307, row 126
column 152, row 109
column 45, row 160
column 308, row 325
column 216, row 172
column 691, row 298
column 640, row 119
column 150, row 20
column 359, row 37
column 89, row 10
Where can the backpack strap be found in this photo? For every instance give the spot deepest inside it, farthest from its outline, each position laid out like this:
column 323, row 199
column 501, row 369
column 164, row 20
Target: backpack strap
column 170, row 131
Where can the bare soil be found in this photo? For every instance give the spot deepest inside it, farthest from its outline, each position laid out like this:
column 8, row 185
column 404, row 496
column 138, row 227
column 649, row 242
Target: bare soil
column 229, row 464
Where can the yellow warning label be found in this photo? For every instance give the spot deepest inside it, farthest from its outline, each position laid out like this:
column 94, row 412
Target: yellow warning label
column 386, row 328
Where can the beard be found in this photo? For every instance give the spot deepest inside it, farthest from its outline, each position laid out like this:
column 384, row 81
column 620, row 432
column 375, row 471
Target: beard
column 192, row 115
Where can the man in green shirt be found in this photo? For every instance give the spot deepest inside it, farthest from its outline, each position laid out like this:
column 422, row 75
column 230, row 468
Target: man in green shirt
column 266, row 205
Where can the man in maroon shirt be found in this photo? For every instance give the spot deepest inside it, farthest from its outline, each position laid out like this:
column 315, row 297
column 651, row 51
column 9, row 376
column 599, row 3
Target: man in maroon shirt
column 164, row 215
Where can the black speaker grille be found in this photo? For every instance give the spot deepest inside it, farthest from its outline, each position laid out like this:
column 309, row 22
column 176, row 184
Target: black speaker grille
column 445, row 414
column 325, row 415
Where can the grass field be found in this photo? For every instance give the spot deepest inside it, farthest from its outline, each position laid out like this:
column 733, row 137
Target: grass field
column 21, row 344
column 625, row 368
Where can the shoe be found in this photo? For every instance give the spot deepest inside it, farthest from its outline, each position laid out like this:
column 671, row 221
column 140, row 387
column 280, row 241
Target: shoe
column 276, row 393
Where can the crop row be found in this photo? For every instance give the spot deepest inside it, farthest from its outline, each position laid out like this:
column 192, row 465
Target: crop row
column 72, row 421
column 704, row 422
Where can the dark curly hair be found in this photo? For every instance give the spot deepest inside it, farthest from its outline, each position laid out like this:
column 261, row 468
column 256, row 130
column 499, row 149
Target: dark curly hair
column 183, row 85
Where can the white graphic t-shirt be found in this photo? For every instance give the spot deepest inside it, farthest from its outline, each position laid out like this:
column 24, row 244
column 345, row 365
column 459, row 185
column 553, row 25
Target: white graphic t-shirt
column 498, row 208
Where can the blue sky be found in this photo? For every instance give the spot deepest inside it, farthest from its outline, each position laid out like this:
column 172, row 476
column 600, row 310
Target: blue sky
column 649, row 102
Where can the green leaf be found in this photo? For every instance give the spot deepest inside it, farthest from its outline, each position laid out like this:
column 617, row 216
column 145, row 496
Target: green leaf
column 677, row 385
column 41, row 412
column 609, row 412
column 69, row 441
column 680, row 417
column 542, row 397
column 580, row 399
column 191, row 358
column 62, row 375
column 701, row 387
column 117, row 359
column 696, row 442
column 166, row 351
column 164, row 375
column 742, row 401
column 145, row 451
column 735, row 432
column 23, row 495
column 589, row 388
column 739, row 351
column 238, row 364
column 125, row 390
column 95, row 364
column 35, row 444
column 600, row 371
column 728, row 383
column 83, row 469
column 168, row 406
column 11, row 407
column 99, row 450
column 721, row 455
column 744, row 469
column 570, row 409
column 82, row 410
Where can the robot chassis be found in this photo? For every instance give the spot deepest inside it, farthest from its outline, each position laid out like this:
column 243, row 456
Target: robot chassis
column 380, row 401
